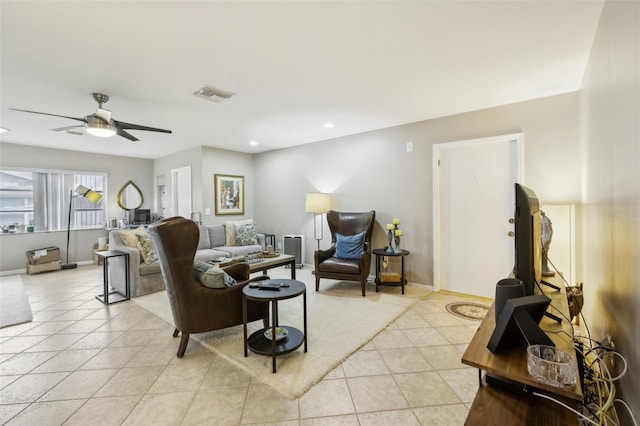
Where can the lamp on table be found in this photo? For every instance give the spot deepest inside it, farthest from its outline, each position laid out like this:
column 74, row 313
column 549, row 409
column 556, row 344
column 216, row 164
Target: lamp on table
column 89, row 194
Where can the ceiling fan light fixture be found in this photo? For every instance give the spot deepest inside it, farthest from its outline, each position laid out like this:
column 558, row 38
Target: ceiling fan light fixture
column 103, row 130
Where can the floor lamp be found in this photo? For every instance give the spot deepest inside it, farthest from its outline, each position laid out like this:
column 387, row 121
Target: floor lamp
column 89, row 194
column 318, row 204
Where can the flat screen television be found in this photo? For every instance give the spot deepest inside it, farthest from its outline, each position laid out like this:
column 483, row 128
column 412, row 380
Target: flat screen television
column 142, row 217
column 528, row 238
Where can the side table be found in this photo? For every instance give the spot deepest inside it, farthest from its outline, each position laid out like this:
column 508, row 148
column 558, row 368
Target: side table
column 270, row 240
column 257, row 342
column 400, row 280
column 117, row 296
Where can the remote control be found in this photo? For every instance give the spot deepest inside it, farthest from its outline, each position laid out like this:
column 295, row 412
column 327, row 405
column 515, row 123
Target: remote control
column 271, row 288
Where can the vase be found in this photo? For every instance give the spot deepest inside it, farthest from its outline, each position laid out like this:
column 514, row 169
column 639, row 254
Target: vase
column 397, row 248
column 390, row 238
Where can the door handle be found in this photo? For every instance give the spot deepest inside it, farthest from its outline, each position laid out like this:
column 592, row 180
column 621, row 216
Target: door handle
column 511, row 234
column 512, row 220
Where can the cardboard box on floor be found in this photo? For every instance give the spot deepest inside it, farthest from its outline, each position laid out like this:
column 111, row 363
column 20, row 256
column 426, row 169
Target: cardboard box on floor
column 43, row 255
column 44, row 267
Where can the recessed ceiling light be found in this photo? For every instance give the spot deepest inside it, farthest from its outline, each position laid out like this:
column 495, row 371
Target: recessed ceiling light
column 329, row 125
column 3, row 130
column 253, row 143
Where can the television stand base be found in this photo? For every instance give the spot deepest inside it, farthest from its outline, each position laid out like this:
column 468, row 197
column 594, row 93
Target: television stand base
column 553, row 317
column 548, row 284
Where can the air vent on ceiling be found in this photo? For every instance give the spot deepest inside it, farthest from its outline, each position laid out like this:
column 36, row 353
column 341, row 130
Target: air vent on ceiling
column 212, row 94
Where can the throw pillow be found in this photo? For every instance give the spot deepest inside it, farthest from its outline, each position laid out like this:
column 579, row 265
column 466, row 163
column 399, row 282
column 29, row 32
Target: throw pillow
column 349, row 246
column 147, row 250
column 130, row 237
column 245, row 235
column 211, row 276
column 230, row 232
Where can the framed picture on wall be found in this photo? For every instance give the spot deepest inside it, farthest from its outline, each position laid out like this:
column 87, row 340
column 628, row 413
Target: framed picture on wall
column 229, row 194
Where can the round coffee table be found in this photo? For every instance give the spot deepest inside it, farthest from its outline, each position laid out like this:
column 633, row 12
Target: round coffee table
column 294, row 338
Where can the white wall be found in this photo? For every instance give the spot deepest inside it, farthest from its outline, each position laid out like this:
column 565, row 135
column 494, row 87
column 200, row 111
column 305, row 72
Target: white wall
column 373, row 171
column 610, row 227
column 119, row 170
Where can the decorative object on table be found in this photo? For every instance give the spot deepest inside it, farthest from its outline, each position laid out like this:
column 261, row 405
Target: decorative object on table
column 390, row 229
column 469, row 311
column 88, row 194
column 507, row 288
column 397, row 233
column 547, row 233
column 317, row 203
column 229, row 194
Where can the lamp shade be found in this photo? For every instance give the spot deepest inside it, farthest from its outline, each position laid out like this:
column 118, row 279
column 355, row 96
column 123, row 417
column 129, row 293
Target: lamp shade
column 317, row 202
column 89, row 194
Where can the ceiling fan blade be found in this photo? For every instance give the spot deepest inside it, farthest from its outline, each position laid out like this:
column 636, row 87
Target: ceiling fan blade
column 129, row 126
column 53, row 115
column 60, row 129
column 127, row 135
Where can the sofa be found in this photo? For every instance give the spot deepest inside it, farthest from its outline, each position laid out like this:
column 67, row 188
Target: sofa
column 230, row 239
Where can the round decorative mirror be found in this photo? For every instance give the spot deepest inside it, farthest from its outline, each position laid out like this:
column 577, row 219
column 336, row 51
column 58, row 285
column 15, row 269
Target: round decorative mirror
column 130, row 196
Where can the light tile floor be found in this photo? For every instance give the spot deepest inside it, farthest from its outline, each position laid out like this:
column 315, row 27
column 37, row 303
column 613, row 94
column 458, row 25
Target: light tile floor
column 82, row 363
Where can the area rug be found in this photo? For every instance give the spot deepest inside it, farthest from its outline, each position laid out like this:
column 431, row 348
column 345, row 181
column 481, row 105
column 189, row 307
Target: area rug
column 14, row 303
column 339, row 322
column 469, row 311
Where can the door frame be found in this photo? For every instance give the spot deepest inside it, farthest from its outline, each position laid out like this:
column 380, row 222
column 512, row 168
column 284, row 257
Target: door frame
column 437, row 148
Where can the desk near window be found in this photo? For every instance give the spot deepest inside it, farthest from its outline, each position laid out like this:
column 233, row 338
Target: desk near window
column 497, row 406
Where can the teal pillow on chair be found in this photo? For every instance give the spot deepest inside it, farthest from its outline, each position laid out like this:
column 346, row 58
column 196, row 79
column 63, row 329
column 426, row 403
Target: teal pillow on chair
column 349, row 246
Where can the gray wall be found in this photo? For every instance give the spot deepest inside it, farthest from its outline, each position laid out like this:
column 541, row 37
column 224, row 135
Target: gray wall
column 119, row 170
column 610, row 228
column 374, row 171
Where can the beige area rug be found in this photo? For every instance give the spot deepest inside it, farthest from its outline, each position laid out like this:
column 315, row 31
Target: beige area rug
column 339, row 322
column 14, row 303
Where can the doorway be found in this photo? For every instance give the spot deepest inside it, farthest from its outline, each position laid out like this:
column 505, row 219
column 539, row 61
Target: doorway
column 473, row 201
column 181, row 185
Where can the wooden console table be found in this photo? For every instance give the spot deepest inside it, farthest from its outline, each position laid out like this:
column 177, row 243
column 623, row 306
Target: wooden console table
column 493, row 406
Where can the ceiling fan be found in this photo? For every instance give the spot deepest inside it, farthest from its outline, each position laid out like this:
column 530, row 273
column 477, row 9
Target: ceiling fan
column 101, row 124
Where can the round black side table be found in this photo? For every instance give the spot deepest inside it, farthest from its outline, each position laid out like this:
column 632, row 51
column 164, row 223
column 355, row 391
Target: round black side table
column 380, row 253
column 257, row 342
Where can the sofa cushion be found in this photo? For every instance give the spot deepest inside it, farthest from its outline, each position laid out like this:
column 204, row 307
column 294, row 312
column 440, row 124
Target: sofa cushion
column 349, row 246
column 217, row 237
column 211, row 276
column 203, row 242
column 147, row 250
column 210, row 254
column 245, row 235
column 230, row 232
column 149, row 269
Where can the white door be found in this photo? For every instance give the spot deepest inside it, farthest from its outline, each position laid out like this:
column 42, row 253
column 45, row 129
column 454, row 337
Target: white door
column 473, row 202
column 181, row 182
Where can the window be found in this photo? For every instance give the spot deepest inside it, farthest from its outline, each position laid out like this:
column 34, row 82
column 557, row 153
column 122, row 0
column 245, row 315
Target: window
column 41, row 198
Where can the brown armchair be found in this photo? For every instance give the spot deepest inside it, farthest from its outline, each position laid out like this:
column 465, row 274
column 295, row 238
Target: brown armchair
column 197, row 308
column 329, row 266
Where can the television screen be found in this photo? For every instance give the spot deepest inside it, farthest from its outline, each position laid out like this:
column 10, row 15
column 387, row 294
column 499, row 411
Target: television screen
column 142, row 217
column 528, row 238
column 518, row 324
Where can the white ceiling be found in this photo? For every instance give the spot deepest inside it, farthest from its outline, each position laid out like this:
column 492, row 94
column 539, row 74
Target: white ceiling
column 293, row 66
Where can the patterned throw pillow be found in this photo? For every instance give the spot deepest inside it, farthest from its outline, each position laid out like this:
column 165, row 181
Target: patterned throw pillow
column 130, row 238
column 230, row 232
column 245, row 235
column 147, row 251
column 211, row 276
